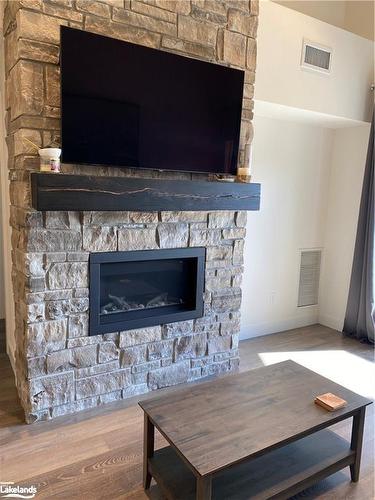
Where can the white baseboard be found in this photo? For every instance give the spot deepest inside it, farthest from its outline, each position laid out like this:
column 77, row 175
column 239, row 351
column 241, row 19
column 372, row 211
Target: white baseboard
column 331, row 322
column 267, row 328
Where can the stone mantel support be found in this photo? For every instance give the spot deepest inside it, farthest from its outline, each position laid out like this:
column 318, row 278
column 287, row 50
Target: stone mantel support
column 59, row 368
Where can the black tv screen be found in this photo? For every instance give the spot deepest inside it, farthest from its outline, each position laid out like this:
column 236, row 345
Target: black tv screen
column 133, row 106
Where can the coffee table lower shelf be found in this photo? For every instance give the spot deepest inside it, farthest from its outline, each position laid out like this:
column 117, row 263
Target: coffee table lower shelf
column 278, row 474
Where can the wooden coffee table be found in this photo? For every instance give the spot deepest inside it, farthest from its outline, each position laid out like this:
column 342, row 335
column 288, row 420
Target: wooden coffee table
column 255, row 435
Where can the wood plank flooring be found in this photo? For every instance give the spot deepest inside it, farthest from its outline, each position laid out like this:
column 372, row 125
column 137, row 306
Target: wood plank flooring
column 2, row 336
column 97, row 454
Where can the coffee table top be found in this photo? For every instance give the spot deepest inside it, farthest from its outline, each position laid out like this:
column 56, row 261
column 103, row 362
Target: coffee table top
column 218, row 423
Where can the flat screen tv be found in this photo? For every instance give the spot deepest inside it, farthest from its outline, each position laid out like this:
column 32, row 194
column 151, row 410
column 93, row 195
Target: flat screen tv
column 133, row 106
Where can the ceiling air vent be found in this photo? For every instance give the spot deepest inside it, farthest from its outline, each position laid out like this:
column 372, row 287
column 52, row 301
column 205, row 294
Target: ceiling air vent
column 316, row 57
column 309, row 278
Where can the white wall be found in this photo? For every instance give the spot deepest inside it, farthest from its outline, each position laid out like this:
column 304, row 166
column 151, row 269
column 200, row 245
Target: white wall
column 311, row 188
column 2, row 156
column 6, row 290
column 292, row 162
column 347, row 169
column 311, row 171
column 280, row 79
column 2, row 290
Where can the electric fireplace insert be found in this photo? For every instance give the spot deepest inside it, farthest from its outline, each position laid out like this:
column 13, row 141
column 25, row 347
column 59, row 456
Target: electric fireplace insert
column 145, row 288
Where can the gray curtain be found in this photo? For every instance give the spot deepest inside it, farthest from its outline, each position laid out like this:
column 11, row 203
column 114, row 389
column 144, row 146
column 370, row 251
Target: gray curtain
column 360, row 311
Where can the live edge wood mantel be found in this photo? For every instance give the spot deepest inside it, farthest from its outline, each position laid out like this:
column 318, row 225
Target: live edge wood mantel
column 84, row 192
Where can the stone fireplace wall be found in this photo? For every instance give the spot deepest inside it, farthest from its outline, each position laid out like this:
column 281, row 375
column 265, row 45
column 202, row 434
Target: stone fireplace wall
column 59, row 368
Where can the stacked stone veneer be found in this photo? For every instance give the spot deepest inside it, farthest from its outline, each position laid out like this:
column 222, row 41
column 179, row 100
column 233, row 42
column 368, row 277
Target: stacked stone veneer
column 59, row 368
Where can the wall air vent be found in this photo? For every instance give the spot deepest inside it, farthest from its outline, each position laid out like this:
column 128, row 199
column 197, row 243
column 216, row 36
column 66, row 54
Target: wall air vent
column 316, row 57
column 309, row 278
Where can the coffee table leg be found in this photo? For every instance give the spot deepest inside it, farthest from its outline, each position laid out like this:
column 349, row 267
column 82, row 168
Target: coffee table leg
column 148, row 449
column 356, row 443
column 204, row 488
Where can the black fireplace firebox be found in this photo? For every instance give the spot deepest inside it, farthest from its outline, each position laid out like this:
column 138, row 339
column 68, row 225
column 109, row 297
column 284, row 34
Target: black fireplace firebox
column 145, row 288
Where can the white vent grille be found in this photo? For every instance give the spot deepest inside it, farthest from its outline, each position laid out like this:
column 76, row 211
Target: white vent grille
column 309, row 277
column 316, row 57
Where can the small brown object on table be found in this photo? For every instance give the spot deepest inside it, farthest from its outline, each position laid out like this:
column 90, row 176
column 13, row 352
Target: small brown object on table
column 330, row 401
column 255, row 435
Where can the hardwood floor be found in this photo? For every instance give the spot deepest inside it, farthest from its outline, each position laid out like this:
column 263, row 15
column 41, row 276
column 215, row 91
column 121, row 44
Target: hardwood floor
column 97, row 454
column 2, row 336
